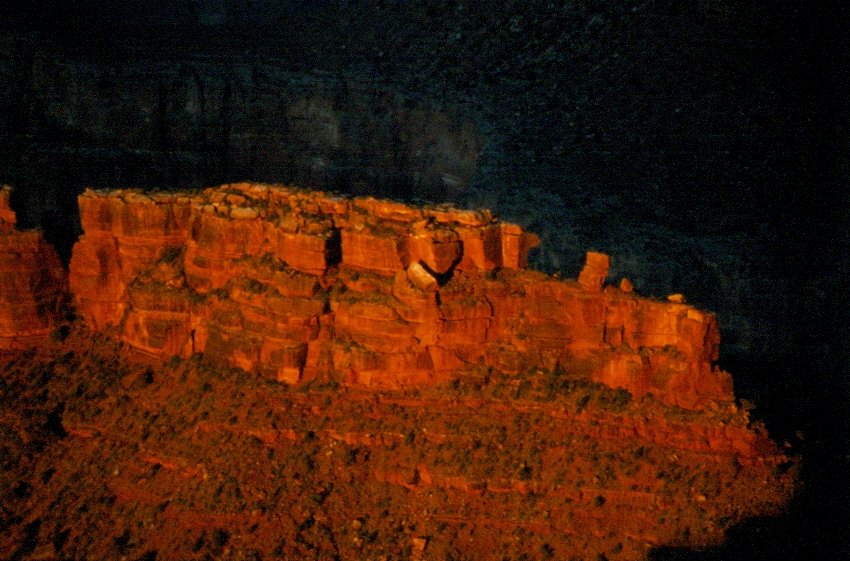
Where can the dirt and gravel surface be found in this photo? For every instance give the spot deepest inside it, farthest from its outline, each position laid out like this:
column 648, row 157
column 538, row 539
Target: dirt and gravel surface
column 104, row 458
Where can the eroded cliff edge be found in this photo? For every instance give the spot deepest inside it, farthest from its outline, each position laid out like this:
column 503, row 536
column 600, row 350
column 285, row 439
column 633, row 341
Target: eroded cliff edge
column 298, row 284
column 32, row 283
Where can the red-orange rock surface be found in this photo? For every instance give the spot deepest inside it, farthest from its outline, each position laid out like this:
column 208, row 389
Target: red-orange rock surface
column 191, row 460
column 32, row 282
column 492, row 436
column 298, row 284
column 7, row 215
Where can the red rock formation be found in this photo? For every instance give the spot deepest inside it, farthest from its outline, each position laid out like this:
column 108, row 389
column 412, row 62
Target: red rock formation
column 125, row 232
column 297, row 284
column 32, row 282
column 7, row 215
column 595, row 271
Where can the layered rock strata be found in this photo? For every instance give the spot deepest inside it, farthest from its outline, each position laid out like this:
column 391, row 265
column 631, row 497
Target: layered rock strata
column 297, row 285
column 32, row 282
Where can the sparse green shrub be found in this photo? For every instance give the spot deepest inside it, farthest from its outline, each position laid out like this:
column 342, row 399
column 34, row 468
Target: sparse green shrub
column 172, row 255
column 121, row 543
column 60, row 333
column 200, row 542
column 582, row 401
column 522, row 389
column 621, row 399
column 220, row 538
column 254, row 286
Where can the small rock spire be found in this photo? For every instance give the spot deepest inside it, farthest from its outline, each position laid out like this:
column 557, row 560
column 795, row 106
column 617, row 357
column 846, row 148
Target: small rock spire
column 595, row 271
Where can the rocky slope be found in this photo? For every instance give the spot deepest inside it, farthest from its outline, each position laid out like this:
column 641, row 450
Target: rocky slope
column 301, row 285
column 106, row 459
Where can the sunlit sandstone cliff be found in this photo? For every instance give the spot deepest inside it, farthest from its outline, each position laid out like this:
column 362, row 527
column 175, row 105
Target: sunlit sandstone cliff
column 298, row 285
column 31, row 282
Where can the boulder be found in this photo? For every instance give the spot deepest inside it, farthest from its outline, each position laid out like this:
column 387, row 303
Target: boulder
column 421, row 279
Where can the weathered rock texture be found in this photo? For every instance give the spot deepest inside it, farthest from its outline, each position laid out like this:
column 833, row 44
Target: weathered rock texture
column 32, row 282
column 298, row 285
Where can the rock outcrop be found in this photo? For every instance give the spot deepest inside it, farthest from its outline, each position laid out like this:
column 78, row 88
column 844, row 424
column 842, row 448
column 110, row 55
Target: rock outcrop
column 297, row 285
column 7, row 215
column 32, row 282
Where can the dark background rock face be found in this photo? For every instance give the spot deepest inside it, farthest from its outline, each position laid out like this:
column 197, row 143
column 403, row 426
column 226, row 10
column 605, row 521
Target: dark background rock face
column 700, row 144
column 190, row 123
